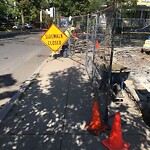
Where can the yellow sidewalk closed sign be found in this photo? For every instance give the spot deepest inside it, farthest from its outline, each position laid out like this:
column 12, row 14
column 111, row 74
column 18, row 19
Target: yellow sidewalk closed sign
column 54, row 38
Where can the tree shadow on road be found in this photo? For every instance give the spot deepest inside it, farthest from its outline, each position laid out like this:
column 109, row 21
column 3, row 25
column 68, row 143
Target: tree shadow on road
column 5, row 82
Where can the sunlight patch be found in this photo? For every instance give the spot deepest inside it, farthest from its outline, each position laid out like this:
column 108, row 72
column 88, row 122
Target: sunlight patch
column 82, row 125
column 71, row 106
column 79, row 142
column 41, row 113
column 7, row 130
column 45, row 139
column 43, row 84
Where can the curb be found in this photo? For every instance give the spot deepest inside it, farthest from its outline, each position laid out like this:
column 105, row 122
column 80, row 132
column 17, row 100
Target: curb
column 15, row 33
column 9, row 34
column 7, row 107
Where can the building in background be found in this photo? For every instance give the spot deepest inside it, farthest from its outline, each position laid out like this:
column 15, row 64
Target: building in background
column 52, row 12
column 139, row 17
column 143, row 9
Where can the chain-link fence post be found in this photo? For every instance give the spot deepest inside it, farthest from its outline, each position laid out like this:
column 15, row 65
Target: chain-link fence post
column 87, row 45
column 93, row 56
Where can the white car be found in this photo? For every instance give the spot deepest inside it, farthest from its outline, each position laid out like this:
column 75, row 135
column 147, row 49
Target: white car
column 28, row 26
column 17, row 27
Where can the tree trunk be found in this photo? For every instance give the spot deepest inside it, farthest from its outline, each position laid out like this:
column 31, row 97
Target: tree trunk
column 22, row 18
column 41, row 21
column 109, row 26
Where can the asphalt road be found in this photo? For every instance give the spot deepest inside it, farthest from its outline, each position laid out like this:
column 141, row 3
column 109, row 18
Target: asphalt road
column 19, row 57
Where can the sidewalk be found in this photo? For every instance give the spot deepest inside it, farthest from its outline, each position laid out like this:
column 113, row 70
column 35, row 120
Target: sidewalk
column 55, row 109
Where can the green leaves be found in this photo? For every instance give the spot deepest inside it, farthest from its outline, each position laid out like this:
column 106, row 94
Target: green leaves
column 30, row 8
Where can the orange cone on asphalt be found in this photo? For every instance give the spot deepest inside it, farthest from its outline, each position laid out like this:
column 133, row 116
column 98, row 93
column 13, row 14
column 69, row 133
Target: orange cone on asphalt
column 115, row 141
column 97, row 45
column 96, row 126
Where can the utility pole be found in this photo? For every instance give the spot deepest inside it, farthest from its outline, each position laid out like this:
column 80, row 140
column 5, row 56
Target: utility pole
column 22, row 18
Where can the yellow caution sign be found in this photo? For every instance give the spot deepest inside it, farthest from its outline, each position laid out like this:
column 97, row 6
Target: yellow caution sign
column 54, row 38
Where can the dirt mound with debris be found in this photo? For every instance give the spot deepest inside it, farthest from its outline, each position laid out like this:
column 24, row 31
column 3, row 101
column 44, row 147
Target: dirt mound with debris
column 139, row 63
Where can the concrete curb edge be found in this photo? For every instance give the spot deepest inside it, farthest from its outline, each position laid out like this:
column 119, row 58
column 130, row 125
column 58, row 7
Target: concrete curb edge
column 6, row 108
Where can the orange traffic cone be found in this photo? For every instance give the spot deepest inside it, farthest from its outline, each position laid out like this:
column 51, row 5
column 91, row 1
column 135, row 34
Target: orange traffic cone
column 97, row 45
column 115, row 142
column 96, row 127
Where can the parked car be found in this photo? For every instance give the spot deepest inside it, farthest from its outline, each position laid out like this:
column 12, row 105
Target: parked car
column 28, row 26
column 19, row 26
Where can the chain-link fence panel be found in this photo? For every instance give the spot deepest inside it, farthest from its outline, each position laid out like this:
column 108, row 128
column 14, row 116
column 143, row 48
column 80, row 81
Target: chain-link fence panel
column 93, row 46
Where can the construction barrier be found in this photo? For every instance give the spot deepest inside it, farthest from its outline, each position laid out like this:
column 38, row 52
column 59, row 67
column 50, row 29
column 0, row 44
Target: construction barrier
column 96, row 126
column 115, row 141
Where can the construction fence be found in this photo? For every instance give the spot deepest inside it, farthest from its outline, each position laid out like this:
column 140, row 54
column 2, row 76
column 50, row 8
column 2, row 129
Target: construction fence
column 97, row 39
column 94, row 46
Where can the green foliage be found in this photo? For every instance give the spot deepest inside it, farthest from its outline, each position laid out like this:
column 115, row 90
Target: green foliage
column 29, row 9
column 79, row 7
column 33, row 15
column 40, row 4
column 47, row 20
column 2, row 8
column 96, row 4
column 71, row 7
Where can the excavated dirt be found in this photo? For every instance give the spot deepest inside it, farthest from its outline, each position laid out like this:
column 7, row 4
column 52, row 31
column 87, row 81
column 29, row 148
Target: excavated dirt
column 139, row 63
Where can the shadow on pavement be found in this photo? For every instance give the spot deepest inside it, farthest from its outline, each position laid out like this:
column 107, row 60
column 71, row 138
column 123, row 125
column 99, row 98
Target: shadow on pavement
column 6, row 81
column 53, row 113
column 49, row 112
column 134, row 129
column 144, row 96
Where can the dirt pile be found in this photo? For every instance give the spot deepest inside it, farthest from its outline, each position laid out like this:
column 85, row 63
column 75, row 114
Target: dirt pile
column 138, row 62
